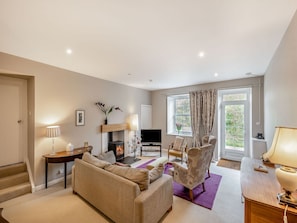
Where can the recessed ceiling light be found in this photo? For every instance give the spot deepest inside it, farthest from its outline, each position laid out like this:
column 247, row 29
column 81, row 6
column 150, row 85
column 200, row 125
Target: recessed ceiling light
column 69, row 51
column 216, row 74
column 201, row 54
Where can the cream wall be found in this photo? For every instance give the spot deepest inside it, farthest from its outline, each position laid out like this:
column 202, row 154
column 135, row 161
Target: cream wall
column 159, row 104
column 54, row 95
column 281, row 84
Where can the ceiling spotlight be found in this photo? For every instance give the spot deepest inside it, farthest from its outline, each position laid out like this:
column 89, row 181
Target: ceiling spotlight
column 216, row 74
column 201, row 54
column 69, row 51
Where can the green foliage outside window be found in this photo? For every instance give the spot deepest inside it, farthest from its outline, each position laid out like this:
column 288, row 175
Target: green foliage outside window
column 234, row 126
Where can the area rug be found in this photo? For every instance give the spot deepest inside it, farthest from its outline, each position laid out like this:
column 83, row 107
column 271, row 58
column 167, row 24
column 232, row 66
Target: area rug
column 145, row 164
column 205, row 199
column 129, row 160
column 229, row 164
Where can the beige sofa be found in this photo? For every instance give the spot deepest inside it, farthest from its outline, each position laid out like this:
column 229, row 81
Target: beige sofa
column 121, row 199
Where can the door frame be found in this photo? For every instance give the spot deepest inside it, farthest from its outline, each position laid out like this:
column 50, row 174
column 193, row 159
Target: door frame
column 232, row 154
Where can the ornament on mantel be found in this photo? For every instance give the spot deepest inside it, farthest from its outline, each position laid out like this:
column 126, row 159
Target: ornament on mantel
column 106, row 110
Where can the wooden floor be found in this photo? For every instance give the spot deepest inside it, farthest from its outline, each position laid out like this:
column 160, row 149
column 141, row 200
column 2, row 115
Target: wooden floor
column 229, row 164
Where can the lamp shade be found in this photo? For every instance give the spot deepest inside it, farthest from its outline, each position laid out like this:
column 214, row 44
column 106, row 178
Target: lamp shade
column 134, row 122
column 283, row 150
column 53, row 131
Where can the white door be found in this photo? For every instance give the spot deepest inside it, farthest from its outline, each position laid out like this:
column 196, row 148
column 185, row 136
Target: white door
column 12, row 120
column 234, row 123
column 146, row 117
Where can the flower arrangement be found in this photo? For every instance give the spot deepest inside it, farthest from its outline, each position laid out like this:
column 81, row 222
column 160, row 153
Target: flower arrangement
column 134, row 143
column 178, row 127
column 106, row 110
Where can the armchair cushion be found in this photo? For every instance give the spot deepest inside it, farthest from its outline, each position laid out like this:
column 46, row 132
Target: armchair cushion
column 178, row 142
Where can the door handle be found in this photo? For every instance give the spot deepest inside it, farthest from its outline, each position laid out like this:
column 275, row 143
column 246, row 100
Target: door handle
column 19, row 121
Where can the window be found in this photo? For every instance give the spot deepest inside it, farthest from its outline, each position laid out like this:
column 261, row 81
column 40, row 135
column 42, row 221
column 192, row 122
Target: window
column 178, row 113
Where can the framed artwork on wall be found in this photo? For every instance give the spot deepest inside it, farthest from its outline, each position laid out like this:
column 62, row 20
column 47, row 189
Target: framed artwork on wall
column 79, row 117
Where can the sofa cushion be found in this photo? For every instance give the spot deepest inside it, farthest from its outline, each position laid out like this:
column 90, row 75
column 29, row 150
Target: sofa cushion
column 87, row 157
column 137, row 175
column 156, row 172
column 108, row 156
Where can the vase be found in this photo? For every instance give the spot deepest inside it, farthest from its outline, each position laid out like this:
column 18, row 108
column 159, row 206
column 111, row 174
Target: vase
column 105, row 121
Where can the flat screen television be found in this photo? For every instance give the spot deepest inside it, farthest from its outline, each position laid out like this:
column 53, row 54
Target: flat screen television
column 150, row 136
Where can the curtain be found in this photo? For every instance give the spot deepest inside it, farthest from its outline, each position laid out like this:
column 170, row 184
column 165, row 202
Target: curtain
column 202, row 108
column 209, row 99
column 195, row 109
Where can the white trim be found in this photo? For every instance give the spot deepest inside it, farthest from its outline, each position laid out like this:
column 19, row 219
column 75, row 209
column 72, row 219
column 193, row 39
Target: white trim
column 233, row 154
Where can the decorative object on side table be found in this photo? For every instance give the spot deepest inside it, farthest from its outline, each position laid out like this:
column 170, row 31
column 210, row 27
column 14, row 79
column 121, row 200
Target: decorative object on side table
column 69, row 147
column 53, row 132
column 106, row 110
column 283, row 151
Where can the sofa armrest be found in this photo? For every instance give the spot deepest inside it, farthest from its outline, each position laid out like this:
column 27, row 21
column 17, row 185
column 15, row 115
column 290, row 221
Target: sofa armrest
column 159, row 194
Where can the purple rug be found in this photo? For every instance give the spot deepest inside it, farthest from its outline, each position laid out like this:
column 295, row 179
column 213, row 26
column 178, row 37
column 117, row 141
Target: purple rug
column 145, row 164
column 204, row 199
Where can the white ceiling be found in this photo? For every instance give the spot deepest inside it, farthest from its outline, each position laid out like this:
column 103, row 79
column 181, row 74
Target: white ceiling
column 148, row 44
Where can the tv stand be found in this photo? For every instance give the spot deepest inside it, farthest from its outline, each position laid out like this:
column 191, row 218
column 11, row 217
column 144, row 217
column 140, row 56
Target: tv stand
column 143, row 145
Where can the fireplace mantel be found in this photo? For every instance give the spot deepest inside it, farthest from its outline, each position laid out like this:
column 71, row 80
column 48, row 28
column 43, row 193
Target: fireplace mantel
column 114, row 127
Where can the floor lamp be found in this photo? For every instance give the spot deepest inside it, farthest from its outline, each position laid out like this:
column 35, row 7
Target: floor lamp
column 53, row 132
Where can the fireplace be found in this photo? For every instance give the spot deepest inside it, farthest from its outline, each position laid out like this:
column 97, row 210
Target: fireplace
column 118, row 148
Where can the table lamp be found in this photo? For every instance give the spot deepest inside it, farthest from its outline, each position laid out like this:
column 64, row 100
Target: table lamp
column 283, row 151
column 53, row 132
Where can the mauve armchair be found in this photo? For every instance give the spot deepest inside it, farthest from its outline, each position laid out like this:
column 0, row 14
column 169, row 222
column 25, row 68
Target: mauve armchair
column 209, row 139
column 177, row 148
column 192, row 174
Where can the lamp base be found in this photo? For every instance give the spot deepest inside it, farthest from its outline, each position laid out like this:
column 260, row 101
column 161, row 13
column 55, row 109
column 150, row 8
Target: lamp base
column 287, row 198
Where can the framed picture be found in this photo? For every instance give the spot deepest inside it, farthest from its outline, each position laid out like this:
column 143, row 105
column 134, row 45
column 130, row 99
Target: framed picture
column 79, row 117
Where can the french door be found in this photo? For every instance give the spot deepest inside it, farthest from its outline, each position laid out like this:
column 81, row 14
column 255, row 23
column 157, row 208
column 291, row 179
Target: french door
column 234, row 123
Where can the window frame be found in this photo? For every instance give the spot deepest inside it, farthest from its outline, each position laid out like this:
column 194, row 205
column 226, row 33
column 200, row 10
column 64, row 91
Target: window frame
column 171, row 115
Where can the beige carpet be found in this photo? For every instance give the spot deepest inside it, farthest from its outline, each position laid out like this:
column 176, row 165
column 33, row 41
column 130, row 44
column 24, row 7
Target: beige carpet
column 57, row 205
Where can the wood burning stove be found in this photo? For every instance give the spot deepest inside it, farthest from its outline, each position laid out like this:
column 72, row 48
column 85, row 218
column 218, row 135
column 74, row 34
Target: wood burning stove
column 118, row 148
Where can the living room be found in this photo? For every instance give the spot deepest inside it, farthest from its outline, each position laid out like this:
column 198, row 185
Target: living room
column 54, row 94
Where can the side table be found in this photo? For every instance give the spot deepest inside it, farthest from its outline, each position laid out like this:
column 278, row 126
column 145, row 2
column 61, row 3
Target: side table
column 259, row 190
column 64, row 157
